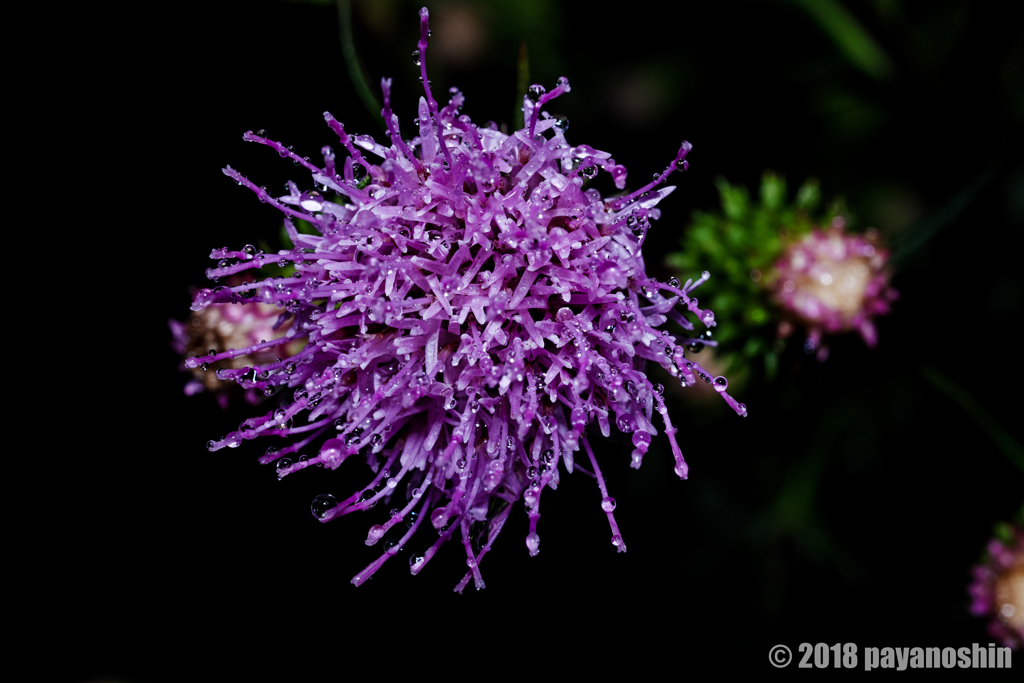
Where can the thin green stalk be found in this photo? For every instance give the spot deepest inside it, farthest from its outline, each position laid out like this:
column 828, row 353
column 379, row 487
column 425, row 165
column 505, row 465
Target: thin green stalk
column 522, row 85
column 355, row 69
column 909, row 245
column 1004, row 442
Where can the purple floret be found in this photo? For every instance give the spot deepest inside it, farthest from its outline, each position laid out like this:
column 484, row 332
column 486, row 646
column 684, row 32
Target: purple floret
column 997, row 591
column 469, row 309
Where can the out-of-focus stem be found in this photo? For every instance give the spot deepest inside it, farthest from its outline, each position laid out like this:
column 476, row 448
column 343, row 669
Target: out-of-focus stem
column 355, row 69
column 1006, row 443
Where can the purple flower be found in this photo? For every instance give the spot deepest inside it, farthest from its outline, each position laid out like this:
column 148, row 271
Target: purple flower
column 224, row 326
column 469, row 308
column 997, row 591
column 834, row 281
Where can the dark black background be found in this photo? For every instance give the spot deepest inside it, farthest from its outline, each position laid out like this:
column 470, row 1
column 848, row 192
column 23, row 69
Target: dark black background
column 849, row 506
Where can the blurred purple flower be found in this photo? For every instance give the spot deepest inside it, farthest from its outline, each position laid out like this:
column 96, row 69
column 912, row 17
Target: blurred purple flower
column 834, row 281
column 224, row 326
column 997, row 591
column 469, row 308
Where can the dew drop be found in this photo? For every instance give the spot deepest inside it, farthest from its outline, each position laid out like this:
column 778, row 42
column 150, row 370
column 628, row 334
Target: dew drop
column 322, row 504
column 533, row 543
column 626, row 423
column 608, row 504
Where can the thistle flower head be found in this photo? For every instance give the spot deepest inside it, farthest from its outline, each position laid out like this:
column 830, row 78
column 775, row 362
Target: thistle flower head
column 782, row 271
column 997, row 591
column 224, row 326
column 468, row 307
column 834, row 282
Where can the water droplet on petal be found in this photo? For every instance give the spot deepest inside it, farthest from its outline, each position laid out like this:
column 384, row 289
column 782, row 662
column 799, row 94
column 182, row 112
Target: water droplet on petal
column 533, row 543
column 578, row 417
column 311, row 201
column 626, row 423
column 323, row 504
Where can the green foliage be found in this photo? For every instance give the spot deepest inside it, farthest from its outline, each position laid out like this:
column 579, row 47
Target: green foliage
column 739, row 245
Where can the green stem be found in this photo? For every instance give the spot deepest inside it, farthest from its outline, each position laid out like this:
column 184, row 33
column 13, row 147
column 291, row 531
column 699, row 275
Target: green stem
column 909, row 245
column 1004, row 442
column 522, row 85
column 355, row 69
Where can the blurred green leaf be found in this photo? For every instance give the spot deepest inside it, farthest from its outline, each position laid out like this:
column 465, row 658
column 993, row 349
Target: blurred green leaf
column 849, row 36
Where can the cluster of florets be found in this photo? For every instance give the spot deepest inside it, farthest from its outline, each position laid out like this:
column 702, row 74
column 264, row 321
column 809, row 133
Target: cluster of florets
column 468, row 309
column 835, row 281
column 227, row 326
column 783, row 267
column 997, row 591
